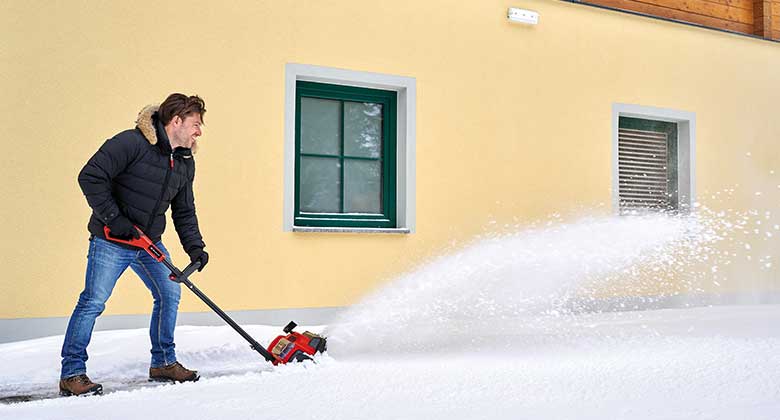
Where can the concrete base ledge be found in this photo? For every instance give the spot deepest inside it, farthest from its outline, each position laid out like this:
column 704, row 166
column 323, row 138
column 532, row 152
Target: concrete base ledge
column 29, row 328
column 644, row 303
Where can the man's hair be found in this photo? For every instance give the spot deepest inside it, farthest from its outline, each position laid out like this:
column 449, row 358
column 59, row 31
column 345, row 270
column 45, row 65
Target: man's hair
column 181, row 105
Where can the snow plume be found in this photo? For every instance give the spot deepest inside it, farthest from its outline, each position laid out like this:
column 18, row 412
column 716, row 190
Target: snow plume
column 518, row 284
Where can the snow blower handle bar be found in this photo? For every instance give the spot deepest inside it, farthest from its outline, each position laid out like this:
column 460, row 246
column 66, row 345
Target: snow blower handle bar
column 142, row 241
column 155, row 252
column 177, row 277
column 183, row 277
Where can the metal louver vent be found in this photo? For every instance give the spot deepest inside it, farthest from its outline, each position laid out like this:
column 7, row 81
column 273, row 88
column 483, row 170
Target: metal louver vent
column 643, row 159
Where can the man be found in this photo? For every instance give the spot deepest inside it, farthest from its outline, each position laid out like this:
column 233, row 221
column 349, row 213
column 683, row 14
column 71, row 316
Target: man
column 132, row 180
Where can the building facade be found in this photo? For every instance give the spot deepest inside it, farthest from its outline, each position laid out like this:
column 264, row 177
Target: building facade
column 347, row 142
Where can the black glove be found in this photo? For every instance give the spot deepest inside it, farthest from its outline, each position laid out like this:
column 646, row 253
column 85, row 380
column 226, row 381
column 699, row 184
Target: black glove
column 198, row 254
column 121, row 227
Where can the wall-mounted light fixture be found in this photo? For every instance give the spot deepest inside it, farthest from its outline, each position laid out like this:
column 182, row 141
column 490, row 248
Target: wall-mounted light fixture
column 522, row 16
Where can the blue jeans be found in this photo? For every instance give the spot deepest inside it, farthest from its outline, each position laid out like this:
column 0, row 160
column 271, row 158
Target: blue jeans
column 107, row 261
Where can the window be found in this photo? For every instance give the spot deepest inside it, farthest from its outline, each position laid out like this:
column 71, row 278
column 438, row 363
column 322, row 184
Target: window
column 345, row 156
column 653, row 159
column 382, row 202
column 647, row 160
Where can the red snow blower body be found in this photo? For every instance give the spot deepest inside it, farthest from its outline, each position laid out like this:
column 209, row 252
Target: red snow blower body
column 293, row 346
column 296, row 346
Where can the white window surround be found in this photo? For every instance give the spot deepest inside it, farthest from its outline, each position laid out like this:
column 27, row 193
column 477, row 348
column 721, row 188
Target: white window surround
column 405, row 142
column 686, row 147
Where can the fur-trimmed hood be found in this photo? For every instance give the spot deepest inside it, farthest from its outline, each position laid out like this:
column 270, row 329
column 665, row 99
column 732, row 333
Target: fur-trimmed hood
column 145, row 123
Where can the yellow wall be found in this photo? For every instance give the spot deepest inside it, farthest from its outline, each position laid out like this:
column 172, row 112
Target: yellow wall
column 512, row 122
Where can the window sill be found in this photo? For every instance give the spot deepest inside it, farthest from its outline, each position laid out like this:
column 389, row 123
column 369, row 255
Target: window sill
column 350, row 230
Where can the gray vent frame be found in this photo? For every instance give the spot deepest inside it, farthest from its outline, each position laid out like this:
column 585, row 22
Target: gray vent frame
column 686, row 142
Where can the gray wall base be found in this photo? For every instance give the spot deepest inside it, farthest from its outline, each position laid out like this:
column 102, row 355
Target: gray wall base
column 28, row 328
column 644, row 303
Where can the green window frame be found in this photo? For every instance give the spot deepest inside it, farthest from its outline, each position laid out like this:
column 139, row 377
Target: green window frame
column 386, row 216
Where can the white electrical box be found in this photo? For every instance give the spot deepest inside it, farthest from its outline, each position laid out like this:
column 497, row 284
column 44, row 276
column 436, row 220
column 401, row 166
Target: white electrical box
column 522, row 16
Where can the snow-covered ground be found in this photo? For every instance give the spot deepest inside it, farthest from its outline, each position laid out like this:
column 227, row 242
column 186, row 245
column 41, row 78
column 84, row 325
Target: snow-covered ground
column 505, row 328
column 697, row 363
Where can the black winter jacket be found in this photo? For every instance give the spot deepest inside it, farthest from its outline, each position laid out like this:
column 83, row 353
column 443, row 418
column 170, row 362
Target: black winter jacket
column 136, row 174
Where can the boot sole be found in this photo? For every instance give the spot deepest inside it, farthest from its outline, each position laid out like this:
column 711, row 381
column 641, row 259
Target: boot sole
column 165, row 379
column 96, row 391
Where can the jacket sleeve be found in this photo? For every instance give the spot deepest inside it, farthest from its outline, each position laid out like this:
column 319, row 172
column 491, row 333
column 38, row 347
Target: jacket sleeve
column 95, row 179
column 183, row 214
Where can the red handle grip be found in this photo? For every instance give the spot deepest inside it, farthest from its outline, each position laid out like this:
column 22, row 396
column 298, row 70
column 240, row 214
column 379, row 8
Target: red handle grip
column 143, row 242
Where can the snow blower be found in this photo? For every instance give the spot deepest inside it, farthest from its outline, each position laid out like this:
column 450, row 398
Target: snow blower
column 293, row 346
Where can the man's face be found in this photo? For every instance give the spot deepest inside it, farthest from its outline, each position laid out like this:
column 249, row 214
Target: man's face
column 187, row 131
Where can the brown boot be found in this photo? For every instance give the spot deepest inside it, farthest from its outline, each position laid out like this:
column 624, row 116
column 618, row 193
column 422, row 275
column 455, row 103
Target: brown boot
column 174, row 372
column 79, row 385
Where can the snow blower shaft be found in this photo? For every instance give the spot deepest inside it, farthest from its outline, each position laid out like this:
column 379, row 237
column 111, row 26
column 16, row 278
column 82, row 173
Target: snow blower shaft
column 183, row 277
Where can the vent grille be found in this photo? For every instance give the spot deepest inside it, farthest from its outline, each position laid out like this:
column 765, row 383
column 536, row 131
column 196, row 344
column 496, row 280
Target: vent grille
column 643, row 166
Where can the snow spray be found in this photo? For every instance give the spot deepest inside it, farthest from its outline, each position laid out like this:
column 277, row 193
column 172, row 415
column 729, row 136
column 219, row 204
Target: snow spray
column 516, row 283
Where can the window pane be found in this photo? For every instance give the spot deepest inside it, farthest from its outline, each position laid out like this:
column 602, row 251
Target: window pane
column 362, row 186
column 320, row 187
column 320, row 126
column 362, row 129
